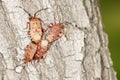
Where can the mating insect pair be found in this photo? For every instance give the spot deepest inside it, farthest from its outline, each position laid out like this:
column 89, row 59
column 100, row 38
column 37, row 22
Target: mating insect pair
column 35, row 51
column 38, row 46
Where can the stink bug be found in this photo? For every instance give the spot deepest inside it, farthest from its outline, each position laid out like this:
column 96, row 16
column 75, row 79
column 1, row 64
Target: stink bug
column 30, row 51
column 34, row 25
column 54, row 32
column 35, row 29
column 41, row 49
column 35, row 51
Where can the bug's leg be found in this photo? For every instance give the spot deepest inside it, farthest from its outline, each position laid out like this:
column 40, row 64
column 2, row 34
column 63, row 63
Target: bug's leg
column 43, row 21
column 42, row 57
column 60, row 35
column 38, row 61
column 44, row 30
column 24, row 60
column 25, row 30
column 57, row 37
column 28, row 32
column 50, row 25
column 28, row 25
column 54, row 19
column 66, row 23
column 31, row 63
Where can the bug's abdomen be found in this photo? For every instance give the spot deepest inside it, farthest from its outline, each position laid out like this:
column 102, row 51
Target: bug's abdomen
column 30, row 51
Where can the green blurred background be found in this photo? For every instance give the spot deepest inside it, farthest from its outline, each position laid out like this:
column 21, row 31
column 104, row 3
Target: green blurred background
column 110, row 11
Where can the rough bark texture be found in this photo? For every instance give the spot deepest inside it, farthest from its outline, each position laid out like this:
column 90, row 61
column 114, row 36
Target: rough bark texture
column 80, row 54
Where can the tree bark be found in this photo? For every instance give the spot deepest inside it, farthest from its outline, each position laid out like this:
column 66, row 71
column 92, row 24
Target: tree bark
column 80, row 54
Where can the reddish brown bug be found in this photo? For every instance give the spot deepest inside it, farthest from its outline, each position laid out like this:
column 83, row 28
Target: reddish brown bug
column 54, row 32
column 35, row 32
column 35, row 29
column 35, row 51
column 34, row 25
column 41, row 49
column 37, row 48
column 30, row 51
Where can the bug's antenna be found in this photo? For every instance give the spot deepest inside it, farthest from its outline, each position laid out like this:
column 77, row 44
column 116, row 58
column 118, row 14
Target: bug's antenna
column 60, row 20
column 39, row 11
column 54, row 19
column 24, row 10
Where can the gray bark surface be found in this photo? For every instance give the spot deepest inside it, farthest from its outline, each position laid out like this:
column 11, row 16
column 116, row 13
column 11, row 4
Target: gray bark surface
column 80, row 54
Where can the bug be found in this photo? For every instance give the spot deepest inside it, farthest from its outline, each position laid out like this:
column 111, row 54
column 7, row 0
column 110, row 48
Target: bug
column 30, row 51
column 35, row 26
column 35, row 51
column 37, row 48
column 41, row 49
column 54, row 32
column 35, row 32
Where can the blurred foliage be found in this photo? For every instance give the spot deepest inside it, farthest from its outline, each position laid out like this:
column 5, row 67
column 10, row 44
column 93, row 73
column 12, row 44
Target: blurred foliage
column 110, row 11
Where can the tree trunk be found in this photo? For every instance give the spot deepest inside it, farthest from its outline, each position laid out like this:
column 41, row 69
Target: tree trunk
column 80, row 54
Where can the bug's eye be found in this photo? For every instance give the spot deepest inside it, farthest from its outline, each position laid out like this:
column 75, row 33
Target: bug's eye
column 34, row 22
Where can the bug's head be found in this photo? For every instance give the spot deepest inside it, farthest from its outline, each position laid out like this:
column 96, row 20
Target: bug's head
column 34, row 20
column 31, row 18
